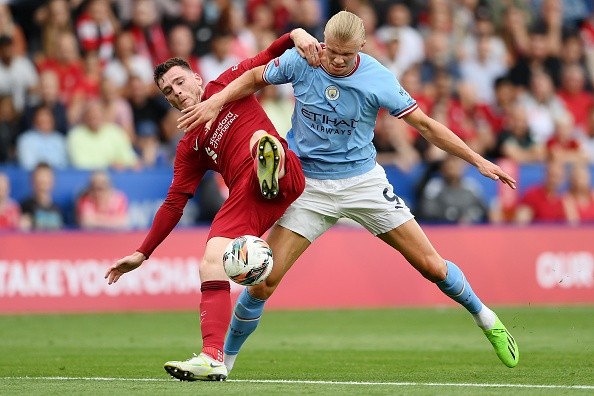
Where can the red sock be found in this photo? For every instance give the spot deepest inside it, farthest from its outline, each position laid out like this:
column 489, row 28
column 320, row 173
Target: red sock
column 215, row 315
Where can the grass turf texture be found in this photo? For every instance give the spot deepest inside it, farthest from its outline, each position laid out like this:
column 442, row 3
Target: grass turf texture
column 438, row 351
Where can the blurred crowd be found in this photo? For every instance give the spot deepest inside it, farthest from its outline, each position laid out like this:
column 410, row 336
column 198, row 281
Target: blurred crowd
column 513, row 78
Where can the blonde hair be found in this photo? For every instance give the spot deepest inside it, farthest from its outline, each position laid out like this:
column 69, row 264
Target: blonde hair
column 345, row 26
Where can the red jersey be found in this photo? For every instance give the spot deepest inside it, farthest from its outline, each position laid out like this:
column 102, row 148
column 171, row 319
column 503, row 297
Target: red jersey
column 225, row 149
column 546, row 207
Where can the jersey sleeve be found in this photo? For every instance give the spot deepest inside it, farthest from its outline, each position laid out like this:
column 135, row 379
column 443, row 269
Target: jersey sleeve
column 186, row 177
column 275, row 49
column 285, row 68
column 393, row 96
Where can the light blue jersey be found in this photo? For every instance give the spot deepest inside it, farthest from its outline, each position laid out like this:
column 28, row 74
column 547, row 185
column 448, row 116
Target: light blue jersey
column 334, row 116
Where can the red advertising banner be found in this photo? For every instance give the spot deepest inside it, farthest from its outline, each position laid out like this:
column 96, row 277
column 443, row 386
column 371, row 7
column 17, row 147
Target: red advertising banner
column 347, row 267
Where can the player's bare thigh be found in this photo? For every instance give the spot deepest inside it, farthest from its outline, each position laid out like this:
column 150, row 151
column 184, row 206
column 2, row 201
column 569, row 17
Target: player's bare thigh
column 287, row 246
column 211, row 266
column 410, row 240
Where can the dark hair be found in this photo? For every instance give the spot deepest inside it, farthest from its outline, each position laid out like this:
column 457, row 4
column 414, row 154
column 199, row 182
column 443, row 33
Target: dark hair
column 42, row 165
column 164, row 67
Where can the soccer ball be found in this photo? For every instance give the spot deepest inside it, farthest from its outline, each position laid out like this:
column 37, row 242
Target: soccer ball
column 247, row 260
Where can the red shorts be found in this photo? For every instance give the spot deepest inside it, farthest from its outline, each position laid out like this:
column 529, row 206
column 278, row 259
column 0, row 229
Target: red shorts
column 247, row 212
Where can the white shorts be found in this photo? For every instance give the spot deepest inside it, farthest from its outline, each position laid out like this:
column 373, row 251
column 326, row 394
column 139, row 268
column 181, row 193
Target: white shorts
column 367, row 199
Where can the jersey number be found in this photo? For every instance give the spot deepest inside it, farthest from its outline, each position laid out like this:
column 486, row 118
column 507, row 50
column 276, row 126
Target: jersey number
column 393, row 198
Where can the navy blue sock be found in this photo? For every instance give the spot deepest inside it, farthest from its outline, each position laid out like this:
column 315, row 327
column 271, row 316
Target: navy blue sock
column 458, row 289
column 244, row 321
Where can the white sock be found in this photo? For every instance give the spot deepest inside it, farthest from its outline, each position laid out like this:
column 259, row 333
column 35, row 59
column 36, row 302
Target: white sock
column 229, row 361
column 485, row 319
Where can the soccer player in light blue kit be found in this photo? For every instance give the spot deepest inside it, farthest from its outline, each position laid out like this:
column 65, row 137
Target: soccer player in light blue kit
column 332, row 130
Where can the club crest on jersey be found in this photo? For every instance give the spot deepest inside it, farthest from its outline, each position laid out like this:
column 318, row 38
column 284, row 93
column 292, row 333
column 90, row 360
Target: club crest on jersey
column 331, row 92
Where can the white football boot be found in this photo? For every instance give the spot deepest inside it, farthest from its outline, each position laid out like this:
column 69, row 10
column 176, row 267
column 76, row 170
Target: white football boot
column 198, row 368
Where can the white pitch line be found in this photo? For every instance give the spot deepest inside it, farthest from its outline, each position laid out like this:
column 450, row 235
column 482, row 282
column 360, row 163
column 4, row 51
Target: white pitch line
column 433, row 384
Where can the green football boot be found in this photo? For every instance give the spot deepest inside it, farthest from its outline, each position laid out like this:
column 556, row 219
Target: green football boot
column 504, row 344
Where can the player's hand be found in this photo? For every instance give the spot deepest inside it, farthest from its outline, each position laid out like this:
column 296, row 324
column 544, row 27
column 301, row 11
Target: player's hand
column 124, row 265
column 200, row 113
column 492, row 171
column 307, row 46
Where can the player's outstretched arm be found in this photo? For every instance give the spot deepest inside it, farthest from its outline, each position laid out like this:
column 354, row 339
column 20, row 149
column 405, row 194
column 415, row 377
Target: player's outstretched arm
column 206, row 111
column 123, row 265
column 441, row 136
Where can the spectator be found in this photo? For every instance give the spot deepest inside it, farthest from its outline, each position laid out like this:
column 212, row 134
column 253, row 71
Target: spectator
column 563, row 146
column 482, row 71
column 54, row 19
column 539, row 58
column 96, row 28
column 308, row 16
column 192, row 14
column 42, row 143
column 181, row 45
column 543, row 203
column 578, row 201
column 93, row 71
column 10, row 211
column 117, row 110
column 394, row 143
column 374, row 45
column 411, row 48
column 505, row 98
column 48, row 96
column 392, row 61
column 261, row 17
column 515, row 140
column 586, row 136
column 148, row 112
column 39, row 212
column 278, row 108
column 66, row 62
column 127, row 62
column 8, row 129
column 514, row 31
column 220, row 58
column 149, row 36
column 438, row 58
column 574, row 53
column 233, row 20
column 18, row 76
column 96, row 144
column 574, row 95
column 542, row 106
column 451, row 197
column 484, row 28
column 171, row 134
column 101, row 206
column 9, row 28
column 271, row 14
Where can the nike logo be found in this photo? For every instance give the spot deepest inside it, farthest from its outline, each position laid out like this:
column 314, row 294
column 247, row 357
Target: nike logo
column 212, row 365
column 196, row 145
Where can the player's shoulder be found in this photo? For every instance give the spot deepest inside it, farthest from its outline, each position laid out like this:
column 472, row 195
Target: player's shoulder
column 370, row 64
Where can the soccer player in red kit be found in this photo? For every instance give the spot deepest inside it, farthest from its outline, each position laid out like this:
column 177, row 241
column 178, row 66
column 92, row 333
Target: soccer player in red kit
column 262, row 175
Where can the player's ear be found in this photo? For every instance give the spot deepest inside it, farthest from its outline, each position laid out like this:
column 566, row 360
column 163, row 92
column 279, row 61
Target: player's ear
column 362, row 45
column 198, row 78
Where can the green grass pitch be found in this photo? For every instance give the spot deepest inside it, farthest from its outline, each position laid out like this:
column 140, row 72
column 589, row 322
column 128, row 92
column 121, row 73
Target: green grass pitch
column 347, row 352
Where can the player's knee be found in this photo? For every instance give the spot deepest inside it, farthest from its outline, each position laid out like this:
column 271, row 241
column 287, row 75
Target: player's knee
column 210, row 269
column 265, row 289
column 433, row 268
